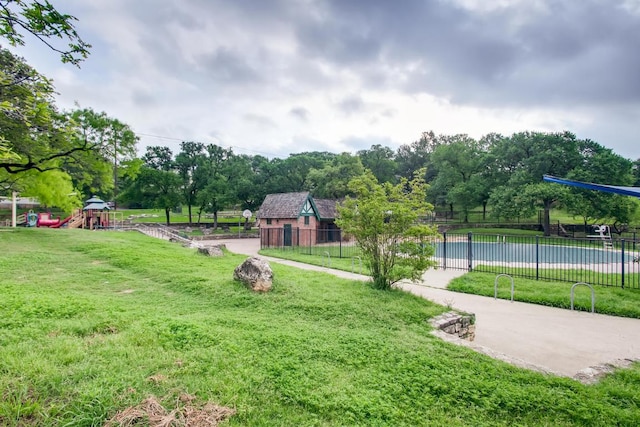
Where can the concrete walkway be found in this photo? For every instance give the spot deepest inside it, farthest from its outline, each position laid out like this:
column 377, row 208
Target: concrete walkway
column 549, row 339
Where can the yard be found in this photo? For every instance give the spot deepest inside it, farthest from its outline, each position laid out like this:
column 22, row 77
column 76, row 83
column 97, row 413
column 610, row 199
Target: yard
column 92, row 323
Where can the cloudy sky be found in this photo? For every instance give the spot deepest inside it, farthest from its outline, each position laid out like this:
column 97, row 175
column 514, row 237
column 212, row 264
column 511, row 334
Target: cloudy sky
column 275, row 77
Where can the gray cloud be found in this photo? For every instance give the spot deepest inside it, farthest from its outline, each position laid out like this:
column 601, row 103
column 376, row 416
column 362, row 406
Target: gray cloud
column 300, row 113
column 351, row 104
column 143, row 98
column 228, row 67
column 260, row 121
column 236, row 64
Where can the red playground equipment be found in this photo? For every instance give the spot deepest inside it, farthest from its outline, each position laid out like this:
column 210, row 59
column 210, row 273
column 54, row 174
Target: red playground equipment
column 94, row 215
column 45, row 220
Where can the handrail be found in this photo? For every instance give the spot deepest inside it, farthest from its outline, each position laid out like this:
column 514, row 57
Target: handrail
column 593, row 295
column 495, row 286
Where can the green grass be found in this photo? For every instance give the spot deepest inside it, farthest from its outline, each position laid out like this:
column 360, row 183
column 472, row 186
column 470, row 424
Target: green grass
column 608, row 300
column 158, row 215
column 317, row 255
column 94, row 322
column 498, row 231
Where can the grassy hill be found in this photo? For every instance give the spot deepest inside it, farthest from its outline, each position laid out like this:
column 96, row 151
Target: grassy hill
column 92, row 323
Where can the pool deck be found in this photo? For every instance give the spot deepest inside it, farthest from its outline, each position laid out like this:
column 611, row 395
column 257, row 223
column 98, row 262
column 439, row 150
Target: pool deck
column 548, row 339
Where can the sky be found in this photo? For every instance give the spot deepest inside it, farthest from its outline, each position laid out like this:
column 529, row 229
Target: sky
column 276, row 77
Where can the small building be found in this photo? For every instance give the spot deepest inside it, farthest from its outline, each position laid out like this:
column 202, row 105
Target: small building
column 297, row 219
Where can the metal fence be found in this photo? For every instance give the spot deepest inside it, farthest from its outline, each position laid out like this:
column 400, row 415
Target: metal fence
column 614, row 262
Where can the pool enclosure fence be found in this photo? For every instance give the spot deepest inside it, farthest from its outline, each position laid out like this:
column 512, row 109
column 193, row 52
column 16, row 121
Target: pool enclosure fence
column 610, row 262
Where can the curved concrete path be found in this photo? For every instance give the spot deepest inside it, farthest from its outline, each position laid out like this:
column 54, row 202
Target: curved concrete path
column 549, row 339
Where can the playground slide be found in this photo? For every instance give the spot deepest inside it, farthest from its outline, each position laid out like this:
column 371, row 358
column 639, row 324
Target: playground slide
column 61, row 223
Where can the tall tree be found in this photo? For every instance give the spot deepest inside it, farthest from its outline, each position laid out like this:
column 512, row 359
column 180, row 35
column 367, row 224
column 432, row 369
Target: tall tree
column 380, row 161
column 332, row 180
column 157, row 185
column 459, row 165
column 34, row 133
column 601, row 165
column 525, row 157
column 40, row 19
column 417, row 155
column 216, row 193
column 291, row 174
column 190, row 165
column 114, row 143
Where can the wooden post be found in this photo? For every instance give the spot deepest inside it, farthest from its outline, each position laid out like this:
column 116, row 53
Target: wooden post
column 14, row 211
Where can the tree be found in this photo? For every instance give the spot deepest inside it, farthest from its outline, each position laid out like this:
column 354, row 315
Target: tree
column 43, row 21
column 292, row 174
column 523, row 159
column 215, row 194
column 383, row 219
column 636, row 173
column 459, row 165
column 380, row 161
column 113, row 142
column 601, row 165
column 417, row 155
column 34, row 134
column 190, row 166
column 157, row 184
column 332, row 180
column 34, row 137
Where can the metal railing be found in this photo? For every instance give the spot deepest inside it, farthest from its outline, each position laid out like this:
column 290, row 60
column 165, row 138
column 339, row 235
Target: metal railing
column 536, row 257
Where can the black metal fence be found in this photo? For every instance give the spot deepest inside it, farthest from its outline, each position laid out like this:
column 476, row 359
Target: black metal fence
column 609, row 262
column 614, row 262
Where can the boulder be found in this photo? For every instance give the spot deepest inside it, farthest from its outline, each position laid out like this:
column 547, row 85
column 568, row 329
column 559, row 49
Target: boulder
column 255, row 273
column 215, row 250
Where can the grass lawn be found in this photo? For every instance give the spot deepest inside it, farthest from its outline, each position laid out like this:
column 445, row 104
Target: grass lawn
column 326, row 256
column 94, row 322
column 158, row 215
column 608, row 300
column 497, row 231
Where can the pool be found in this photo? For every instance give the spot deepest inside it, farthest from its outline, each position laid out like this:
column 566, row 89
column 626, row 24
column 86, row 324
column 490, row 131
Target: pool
column 530, row 253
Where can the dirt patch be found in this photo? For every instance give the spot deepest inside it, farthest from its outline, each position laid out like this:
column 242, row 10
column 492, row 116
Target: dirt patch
column 126, row 291
column 150, row 412
column 593, row 374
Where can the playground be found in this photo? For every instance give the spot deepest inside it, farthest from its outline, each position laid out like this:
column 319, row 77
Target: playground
column 96, row 214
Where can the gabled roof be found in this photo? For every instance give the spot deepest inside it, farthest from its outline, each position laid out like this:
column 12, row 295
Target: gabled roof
column 291, row 205
column 627, row 191
column 327, row 208
column 283, row 205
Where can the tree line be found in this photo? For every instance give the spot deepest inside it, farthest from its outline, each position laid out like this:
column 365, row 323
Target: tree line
column 499, row 173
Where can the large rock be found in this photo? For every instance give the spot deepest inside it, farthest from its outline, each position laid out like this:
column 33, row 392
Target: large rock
column 255, row 273
column 215, row 250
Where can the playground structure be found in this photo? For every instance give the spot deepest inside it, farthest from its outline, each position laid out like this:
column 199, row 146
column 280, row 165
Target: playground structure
column 95, row 215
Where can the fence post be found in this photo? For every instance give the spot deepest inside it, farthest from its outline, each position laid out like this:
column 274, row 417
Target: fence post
column 470, row 251
column 444, row 250
column 537, row 257
column 340, row 246
column 622, row 260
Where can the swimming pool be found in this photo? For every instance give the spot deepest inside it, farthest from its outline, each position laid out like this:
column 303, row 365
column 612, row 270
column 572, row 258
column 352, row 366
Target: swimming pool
column 530, row 253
